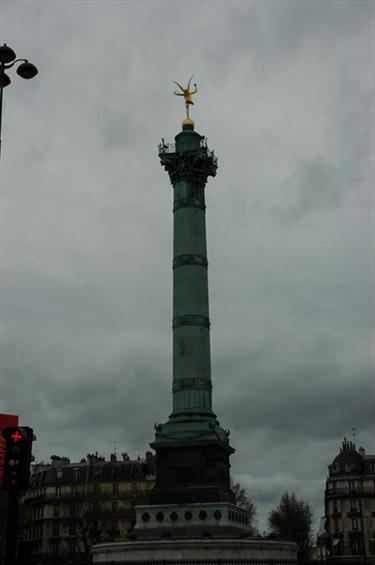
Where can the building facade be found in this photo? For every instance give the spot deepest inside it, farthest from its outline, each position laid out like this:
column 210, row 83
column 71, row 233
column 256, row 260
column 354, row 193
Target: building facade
column 70, row 506
column 350, row 506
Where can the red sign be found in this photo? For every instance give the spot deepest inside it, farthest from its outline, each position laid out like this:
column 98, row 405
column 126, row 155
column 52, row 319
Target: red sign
column 6, row 421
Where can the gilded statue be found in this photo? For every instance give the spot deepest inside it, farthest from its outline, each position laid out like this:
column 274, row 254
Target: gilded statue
column 187, row 94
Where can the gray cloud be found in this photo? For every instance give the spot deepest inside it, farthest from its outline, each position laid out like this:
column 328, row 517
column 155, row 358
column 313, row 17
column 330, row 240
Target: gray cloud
column 286, row 91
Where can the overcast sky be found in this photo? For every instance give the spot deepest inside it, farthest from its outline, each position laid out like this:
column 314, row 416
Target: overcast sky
column 286, row 100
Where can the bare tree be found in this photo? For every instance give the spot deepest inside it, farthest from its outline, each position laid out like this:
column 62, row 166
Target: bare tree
column 243, row 500
column 291, row 520
column 83, row 519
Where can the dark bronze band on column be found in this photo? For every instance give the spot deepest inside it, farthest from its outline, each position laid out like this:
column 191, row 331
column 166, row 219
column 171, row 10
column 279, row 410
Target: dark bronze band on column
column 181, row 260
column 191, row 320
column 192, row 383
column 189, row 203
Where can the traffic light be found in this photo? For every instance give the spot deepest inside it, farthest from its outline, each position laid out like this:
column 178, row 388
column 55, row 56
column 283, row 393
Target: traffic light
column 17, row 459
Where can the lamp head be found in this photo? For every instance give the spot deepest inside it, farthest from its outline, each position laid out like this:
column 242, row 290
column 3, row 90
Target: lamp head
column 7, row 55
column 4, row 80
column 27, row 70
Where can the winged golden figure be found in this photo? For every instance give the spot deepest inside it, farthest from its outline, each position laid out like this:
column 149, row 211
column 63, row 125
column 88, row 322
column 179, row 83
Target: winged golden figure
column 187, row 94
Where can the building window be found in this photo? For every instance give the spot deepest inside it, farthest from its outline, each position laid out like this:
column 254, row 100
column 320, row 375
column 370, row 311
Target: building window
column 56, row 510
column 56, row 529
column 114, row 526
column 59, row 474
column 115, row 488
column 95, row 489
column 72, row 547
column 353, row 486
column 336, row 524
column 355, row 546
column 55, row 548
column 58, row 491
column 336, row 546
column 336, row 506
column 72, row 529
column 114, row 507
column 134, row 488
column 354, row 523
column 75, row 474
column 354, row 505
column 98, row 472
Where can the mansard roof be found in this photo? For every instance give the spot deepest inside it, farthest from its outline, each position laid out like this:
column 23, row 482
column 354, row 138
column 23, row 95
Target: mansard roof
column 348, row 462
column 91, row 469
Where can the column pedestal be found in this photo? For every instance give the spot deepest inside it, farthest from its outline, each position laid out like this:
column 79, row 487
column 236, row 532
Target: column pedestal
column 197, row 551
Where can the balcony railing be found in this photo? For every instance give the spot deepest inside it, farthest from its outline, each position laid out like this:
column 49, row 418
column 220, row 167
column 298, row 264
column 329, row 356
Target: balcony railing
column 164, row 147
column 359, row 491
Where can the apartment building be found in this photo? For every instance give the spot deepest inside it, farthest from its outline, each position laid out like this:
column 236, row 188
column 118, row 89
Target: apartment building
column 350, row 506
column 71, row 506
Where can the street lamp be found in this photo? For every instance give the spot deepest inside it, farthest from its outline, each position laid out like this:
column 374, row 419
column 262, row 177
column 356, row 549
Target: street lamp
column 25, row 70
column 7, row 60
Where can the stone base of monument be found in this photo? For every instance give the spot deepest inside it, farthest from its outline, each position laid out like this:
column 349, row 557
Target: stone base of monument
column 199, row 519
column 195, row 534
column 197, row 551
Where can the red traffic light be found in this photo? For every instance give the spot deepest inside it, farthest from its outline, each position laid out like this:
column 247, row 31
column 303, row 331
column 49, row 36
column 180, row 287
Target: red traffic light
column 17, row 457
column 16, row 436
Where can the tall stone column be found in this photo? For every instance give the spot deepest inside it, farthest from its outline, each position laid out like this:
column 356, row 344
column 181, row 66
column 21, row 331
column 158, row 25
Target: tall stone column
column 188, row 168
column 192, row 449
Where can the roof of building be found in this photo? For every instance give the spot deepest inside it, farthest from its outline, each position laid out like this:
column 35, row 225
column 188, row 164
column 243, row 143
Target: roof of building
column 93, row 468
column 349, row 461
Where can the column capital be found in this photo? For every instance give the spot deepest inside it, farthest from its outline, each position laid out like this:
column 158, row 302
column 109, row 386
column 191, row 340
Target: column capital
column 194, row 166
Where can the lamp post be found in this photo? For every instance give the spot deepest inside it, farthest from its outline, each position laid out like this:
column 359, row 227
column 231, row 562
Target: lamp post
column 25, row 70
column 7, row 60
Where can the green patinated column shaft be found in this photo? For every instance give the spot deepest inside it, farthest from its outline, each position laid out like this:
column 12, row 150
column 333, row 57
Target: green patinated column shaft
column 191, row 337
column 189, row 165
